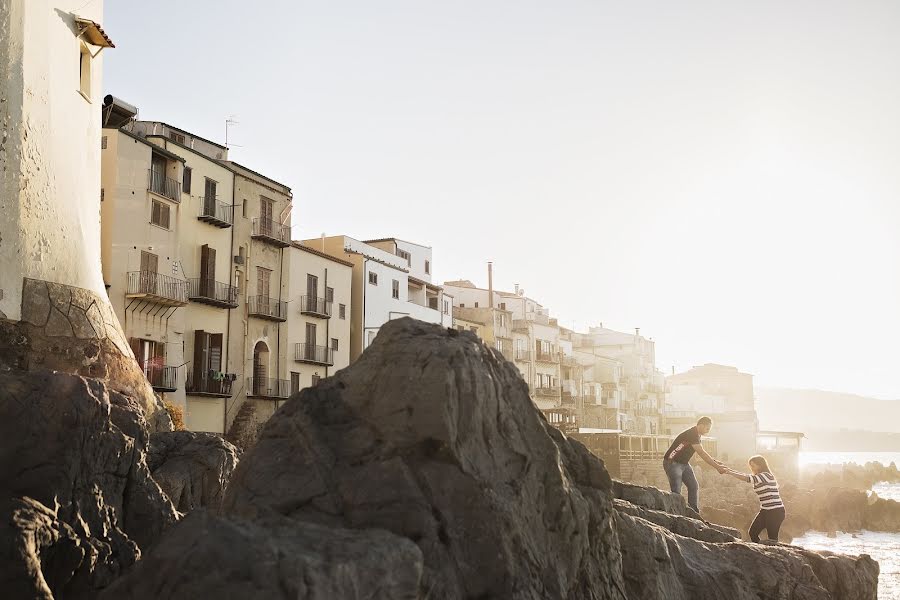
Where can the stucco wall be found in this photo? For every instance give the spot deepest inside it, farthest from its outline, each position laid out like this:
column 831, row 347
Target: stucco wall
column 49, row 150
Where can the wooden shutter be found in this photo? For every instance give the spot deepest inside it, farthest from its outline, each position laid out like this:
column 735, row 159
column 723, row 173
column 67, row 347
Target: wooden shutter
column 262, row 281
column 215, row 351
column 329, row 294
column 164, row 214
column 149, row 262
column 186, row 181
column 266, row 209
column 207, row 270
column 154, row 212
column 200, row 357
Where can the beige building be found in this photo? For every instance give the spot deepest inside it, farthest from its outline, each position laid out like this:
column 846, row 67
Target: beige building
column 197, row 260
column 391, row 279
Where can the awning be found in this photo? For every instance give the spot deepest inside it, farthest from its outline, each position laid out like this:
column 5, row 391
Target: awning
column 93, row 33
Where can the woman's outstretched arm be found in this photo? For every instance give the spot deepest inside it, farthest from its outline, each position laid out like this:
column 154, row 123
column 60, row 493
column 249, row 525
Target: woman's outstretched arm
column 745, row 477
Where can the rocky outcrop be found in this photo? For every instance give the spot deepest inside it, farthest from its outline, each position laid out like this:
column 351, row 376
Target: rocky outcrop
column 422, row 471
column 77, row 497
column 275, row 557
column 192, row 468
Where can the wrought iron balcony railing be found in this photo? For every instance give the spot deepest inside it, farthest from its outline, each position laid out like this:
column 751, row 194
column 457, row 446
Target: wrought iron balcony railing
column 216, row 213
column 265, row 307
column 214, row 293
column 162, row 378
column 316, row 355
column 209, row 383
column 264, row 387
column 164, row 186
column 316, row 307
column 156, row 288
column 272, row 232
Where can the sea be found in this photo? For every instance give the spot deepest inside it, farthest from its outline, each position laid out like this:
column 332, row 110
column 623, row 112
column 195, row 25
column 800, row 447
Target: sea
column 883, row 547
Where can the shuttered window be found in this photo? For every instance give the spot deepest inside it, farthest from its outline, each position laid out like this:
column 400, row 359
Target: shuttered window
column 149, row 262
column 263, row 276
column 186, row 181
column 159, row 214
column 207, row 270
column 210, row 191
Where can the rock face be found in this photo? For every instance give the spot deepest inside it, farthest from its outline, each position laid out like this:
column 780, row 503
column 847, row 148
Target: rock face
column 77, row 496
column 433, row 437
column 275, row 557
column 192, row 468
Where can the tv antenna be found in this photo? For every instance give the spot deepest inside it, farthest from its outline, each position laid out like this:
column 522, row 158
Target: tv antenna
column 229, row 121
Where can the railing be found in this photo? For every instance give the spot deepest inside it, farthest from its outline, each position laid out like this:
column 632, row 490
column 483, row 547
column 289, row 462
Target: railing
column 267, row 308
column 272, row 231
column 212, row 292
column 552, row 390
column 264, row 387
column 547, row 357
column 570, row 361
column 217, row 213
column 164, row 186
column 209, row 382
column 310, row 353
column 520, row 325
column 318, row 307
column 162, row 378
column 523, row 355
column 162, row 287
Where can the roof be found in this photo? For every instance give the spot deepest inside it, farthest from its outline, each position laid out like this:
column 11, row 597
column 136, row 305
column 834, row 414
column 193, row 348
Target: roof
column 393, row 239
column 463, row 283
column 786, row 433
column 249, row 170
column 300, row 246
column 156, row 148
column 93, row 33
column 185, row 131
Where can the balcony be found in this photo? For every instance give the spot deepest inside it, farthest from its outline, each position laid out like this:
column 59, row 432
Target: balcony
column 314, row 355
column 546, row 357
column 520, row 325
column 216, row 213
column 164, row 186
column 271, row 389
column 271, row 232
column 156, row 288
column 523, row 355
column 570, row 361
column 213, row 293
column 551, row 390
column 315, row 307
column 162, row 378
column 211, row 384
column 267, row 308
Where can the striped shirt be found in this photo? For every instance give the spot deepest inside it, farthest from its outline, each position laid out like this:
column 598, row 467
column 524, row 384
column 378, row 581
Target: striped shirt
column 766, row 488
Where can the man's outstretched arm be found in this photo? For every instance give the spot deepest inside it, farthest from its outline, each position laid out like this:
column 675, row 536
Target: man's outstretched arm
column 698, row 448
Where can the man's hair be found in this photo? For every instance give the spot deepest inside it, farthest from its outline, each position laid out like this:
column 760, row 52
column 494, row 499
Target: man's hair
column 704, row 421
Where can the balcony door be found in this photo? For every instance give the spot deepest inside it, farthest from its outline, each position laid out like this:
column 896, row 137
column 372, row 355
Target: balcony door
column 260, row 368
column 310, row 341
column 149, row 270
column 266, row 209
column 312, row 292
column 207, row 271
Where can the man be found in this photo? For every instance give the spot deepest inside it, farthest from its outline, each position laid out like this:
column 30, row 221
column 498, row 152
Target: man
column 676, row 460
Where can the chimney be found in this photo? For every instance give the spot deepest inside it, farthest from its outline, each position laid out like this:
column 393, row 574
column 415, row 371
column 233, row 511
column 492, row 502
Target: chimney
column 517, row 289
column 323, row 241
column 637, row 332
column 491, row 285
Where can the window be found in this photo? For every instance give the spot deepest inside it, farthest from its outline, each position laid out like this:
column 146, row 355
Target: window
column 159, row 214
column 503, row 306
column 462, row 305
column 395, row 290
column 263, row 276
column 373, row 278
column 84, row 72
column 312, row 292
column 186, row 181
column 210, row 191
column 446, row 307
column 329, row 295
column 334, row 344
column 342, row 311
column 405, row 255
column 473, row 329
column 207, row 271
column 316, row 379
column 427, row 267
column 266, row 210
column 244, row 208
column 433, row 303
column 295, row 382
column 207, row 357
column 178, row 138
column 476, row 305
column 502, row 321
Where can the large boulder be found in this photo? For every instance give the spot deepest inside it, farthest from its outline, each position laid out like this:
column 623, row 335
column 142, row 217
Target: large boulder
column 192, row 468
column 77, row 497
column 275, row 557
column 432, row 436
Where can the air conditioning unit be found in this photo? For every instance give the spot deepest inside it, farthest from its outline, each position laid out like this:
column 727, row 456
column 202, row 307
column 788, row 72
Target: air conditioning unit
column 238, row 259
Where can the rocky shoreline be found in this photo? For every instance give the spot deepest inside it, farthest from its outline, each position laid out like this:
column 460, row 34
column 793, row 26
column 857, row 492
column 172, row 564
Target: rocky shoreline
column 422, row 471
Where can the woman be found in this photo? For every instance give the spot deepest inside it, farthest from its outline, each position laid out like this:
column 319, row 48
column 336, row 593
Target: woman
column 771, row 508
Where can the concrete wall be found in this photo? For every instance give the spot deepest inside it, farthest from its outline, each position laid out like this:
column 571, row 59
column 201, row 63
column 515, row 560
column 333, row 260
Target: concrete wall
column 50, row 150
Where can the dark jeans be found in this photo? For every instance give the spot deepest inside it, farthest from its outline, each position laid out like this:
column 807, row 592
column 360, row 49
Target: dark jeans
column 679, row 473
column 770, row 520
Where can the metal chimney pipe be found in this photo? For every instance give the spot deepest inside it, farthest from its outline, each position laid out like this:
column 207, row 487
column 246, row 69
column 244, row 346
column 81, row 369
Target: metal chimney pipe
column 491, row 285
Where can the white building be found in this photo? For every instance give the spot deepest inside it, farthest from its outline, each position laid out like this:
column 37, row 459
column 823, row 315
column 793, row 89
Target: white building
column 391, row 280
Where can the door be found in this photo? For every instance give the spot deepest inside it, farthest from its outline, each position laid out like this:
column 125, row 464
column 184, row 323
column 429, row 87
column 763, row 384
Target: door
column 158, row 174
column 149, row 270
column 310, row 341
column 260, row 368
column 312, row 292
column 266, row 209
column 209, row 198
column 262, row 290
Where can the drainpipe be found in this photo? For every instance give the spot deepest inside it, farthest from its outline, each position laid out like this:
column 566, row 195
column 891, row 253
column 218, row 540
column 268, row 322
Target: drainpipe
column 278, row 342
column 230, row 282
column 327, row 323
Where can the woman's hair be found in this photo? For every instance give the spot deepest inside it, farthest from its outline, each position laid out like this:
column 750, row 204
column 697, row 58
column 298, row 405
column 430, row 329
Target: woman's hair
column 760, row 461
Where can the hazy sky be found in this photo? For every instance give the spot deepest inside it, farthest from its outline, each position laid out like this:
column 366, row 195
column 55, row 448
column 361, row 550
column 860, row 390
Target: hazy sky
column 725, row 176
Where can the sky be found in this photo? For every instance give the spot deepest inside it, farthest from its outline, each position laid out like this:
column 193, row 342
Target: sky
column 722, row 175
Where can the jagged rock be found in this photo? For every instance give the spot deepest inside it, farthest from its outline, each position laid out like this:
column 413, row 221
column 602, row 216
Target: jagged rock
column 276, row 557
column 882, row 515
column 679, row 524
column 432, row 436
column 76, row 492
column 661, row 565
column 192, row 468
column 652, row 498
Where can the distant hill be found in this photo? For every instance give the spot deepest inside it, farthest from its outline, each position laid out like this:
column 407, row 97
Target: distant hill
column 831, row 420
